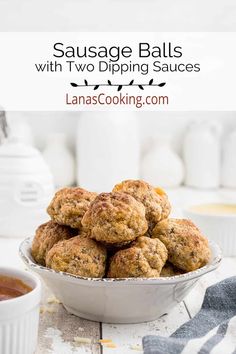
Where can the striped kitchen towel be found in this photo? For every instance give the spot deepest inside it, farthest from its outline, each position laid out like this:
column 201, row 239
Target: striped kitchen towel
column 211, row 331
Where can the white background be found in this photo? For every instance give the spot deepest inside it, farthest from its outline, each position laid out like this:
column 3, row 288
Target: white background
column 117, row 15
column 151, row 125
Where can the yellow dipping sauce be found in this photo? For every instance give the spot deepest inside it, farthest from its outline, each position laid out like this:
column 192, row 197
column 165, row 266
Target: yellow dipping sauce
column 215, row 209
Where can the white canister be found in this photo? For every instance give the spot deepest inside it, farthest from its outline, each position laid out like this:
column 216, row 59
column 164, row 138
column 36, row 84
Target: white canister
column 18, row 127
column 229, row 161
column 26, row 188
column 202, row 155
column 19, row 317
column 108, row 149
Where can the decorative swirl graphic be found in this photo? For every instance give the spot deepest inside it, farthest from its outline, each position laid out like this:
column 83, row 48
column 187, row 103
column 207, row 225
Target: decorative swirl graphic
column 119, row 86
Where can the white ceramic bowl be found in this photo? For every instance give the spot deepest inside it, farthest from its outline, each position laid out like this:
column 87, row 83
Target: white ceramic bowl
column 218, row 228
column 130, row 300
column 19, row 317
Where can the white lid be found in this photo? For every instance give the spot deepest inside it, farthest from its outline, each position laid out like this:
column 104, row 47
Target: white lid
column 14, row 148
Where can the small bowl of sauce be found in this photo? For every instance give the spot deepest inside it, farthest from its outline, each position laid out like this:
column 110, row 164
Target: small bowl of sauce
column 11, row 288
column 20, row 296
column 216, row 209
column 218, row 222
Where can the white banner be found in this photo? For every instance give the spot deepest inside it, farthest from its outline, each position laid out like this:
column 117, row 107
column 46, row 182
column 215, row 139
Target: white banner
column 117, row 71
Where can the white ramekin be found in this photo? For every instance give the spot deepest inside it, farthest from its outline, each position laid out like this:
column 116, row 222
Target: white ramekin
column 19, row 317
column 218, row 228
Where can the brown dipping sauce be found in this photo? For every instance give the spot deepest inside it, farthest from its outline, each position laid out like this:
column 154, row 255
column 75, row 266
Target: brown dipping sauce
column 12, row 287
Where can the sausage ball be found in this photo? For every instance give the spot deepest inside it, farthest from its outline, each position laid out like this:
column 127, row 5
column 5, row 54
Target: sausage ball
column 155, row 200
column 187, row 248
column 79, row 256
column 45, row 238
column 114, row 247
column 115, row 218
column 145, row 259
column 169, row 270
column 69, row 206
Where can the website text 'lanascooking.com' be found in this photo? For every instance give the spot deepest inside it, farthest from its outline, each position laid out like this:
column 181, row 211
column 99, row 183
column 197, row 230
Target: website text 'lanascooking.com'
column 120, row 99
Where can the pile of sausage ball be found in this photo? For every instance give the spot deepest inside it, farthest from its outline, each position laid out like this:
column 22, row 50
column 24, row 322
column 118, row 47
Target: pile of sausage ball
column 123, row 234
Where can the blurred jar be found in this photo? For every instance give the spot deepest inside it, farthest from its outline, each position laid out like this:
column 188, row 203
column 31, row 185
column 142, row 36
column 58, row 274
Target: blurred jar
column 60, row 160
column 202, row 154
column 108, row 149
column 21, row 129
column 161, row 166
column 229, row 161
